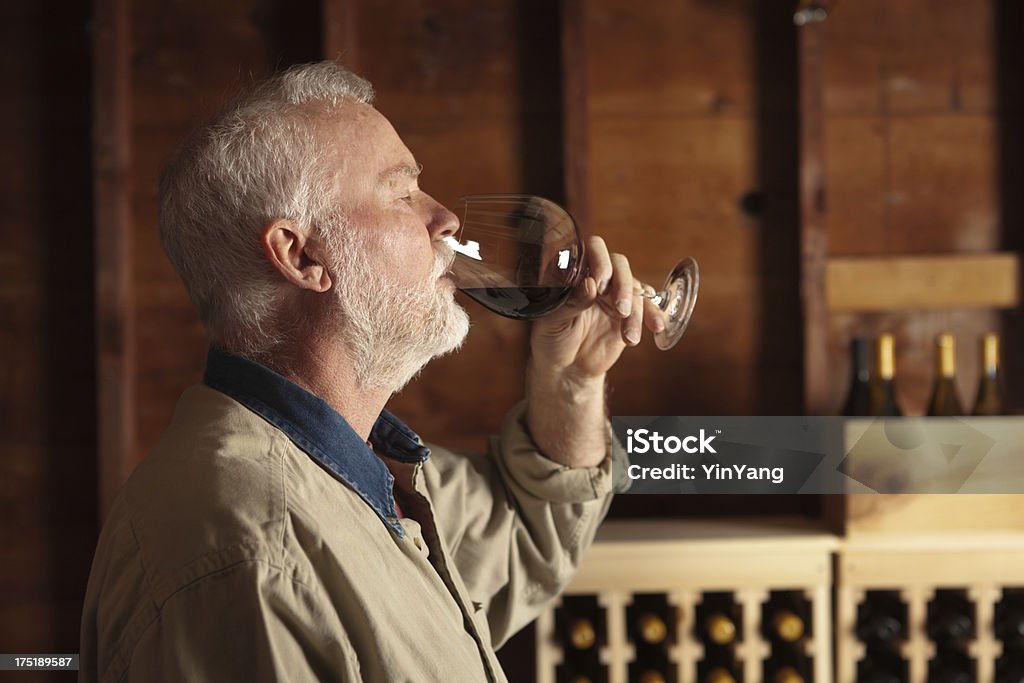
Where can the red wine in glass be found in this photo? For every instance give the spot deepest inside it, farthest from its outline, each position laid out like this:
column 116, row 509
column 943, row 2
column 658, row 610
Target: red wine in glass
column 521, row 256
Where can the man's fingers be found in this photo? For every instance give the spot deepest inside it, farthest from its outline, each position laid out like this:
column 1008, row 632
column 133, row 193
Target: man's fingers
column 599, row 263
column 620, row 291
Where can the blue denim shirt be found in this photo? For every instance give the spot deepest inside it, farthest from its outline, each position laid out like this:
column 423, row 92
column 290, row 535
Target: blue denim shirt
column 321, row 431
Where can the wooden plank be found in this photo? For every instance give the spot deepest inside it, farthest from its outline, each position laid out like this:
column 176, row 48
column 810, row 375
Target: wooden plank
column 857, row 169
column 813, row 233
column 575, row 114
column 115, row 342
column 942, row 192
column 855, row 57
column 340, row 32
column 923, row 282
column 684, row 58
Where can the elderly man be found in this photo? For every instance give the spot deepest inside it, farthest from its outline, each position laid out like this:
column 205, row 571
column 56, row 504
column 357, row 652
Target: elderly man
column 286, row 527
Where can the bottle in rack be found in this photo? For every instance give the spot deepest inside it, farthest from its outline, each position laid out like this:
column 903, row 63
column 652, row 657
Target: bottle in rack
column 652, row 623
column 951, row 667
column 881, row 666
column 580, row 626
column 718, row 626
column 882, row 619
column 718, row 674
column 1009, row 621
column 945, row 402
column 858, row 399
column 990, row 395
column 786, row 624
column 950, row 620
column 1010, row 668
column 717, row 620
column 883, row 391
column 651, row 620
column 785, row 618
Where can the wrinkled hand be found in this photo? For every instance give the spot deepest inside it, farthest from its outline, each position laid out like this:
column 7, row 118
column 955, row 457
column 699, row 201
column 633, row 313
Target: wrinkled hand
column 571, row 352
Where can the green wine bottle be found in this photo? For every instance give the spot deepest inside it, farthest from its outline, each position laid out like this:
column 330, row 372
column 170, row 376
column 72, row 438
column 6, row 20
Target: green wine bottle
column 858, row 399
column 883, row 390
column 990, row 394
column 945, row 401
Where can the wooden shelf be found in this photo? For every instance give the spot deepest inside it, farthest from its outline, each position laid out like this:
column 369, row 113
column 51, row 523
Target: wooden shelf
column 923, row 282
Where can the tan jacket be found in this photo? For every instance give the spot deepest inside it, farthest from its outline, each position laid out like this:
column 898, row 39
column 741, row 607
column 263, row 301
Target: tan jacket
column 231, row 555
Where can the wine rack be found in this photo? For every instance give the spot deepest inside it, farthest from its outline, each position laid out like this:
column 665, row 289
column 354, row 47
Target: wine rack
column 922, row 608
column 679, row 602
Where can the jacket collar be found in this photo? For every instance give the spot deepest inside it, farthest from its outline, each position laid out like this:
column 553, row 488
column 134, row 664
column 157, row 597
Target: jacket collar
column 320, row 431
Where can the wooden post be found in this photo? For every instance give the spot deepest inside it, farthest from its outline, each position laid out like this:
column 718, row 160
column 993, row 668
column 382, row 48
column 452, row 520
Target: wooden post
column 115, row 329
column 575, row 118
column 813, row 236
column 340, row 34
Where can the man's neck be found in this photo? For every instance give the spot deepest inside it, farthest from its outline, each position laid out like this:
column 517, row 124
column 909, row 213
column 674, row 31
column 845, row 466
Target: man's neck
column 328, row 374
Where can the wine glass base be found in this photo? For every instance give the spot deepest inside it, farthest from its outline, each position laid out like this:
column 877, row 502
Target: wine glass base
column 678, row 298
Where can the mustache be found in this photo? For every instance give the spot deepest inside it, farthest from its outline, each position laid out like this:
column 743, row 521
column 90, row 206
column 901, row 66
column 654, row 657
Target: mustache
column 444, row 256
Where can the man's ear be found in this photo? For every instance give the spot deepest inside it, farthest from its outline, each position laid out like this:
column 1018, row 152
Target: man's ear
column 293, row 254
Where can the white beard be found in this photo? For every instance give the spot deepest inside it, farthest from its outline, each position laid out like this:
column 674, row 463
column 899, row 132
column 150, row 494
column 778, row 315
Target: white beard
column 393, row 330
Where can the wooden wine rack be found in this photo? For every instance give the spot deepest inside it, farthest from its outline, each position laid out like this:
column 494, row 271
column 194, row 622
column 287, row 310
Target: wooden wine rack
column 916, row 566
column 685, row 560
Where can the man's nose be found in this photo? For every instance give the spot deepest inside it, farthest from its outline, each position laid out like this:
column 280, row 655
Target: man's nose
column 441, row 222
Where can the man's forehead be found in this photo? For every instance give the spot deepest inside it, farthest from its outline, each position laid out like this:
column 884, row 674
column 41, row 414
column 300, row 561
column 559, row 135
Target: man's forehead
column 366, row 140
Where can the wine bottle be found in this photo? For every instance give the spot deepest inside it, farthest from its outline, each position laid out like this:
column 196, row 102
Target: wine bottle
column 945, row 401
column 582, row 635
column 785, row 617
column 950, row 620
column 990, row 394
column 881, row 619
column 1010, row 668
column 652, row 620
column 787, row 674
column 587, row 673
column 651, row 676
column 858, row 399
column 880, row 666
column 717, row 616
column 719, row 629
column 718, row 674
column 580, row 624
column 1009, row 620
column 652, row 629
column 951, row 667
column 883, row 391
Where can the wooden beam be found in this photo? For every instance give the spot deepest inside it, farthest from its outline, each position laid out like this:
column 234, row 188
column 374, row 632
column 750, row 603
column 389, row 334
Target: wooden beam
column 923, row 282
column 112, row 186
column 340, row 32
column 575, row 116
column 813, row 234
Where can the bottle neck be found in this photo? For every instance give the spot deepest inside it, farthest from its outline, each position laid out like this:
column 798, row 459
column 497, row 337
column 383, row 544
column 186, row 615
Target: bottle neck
column 946, row 357
column 859, row 355
column 990, row 354
column 884, row 358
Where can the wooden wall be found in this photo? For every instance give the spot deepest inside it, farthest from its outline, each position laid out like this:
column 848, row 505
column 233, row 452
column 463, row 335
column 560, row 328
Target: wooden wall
column 913, row 162
column 683, row 142
column 48, row 495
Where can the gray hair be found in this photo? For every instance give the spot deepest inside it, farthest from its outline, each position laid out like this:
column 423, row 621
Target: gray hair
column 258, row 160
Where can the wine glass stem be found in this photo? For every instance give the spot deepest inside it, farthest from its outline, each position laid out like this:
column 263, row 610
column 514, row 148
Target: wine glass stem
column 655, row 297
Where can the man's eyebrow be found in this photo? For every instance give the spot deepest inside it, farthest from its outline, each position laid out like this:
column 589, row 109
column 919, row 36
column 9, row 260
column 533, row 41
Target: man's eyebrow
column 396, row 173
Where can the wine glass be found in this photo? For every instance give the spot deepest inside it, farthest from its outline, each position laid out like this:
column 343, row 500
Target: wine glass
column 521, row 256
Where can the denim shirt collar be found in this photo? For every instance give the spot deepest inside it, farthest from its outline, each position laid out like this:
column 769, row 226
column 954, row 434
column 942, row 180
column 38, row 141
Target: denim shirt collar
column 321, row 431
